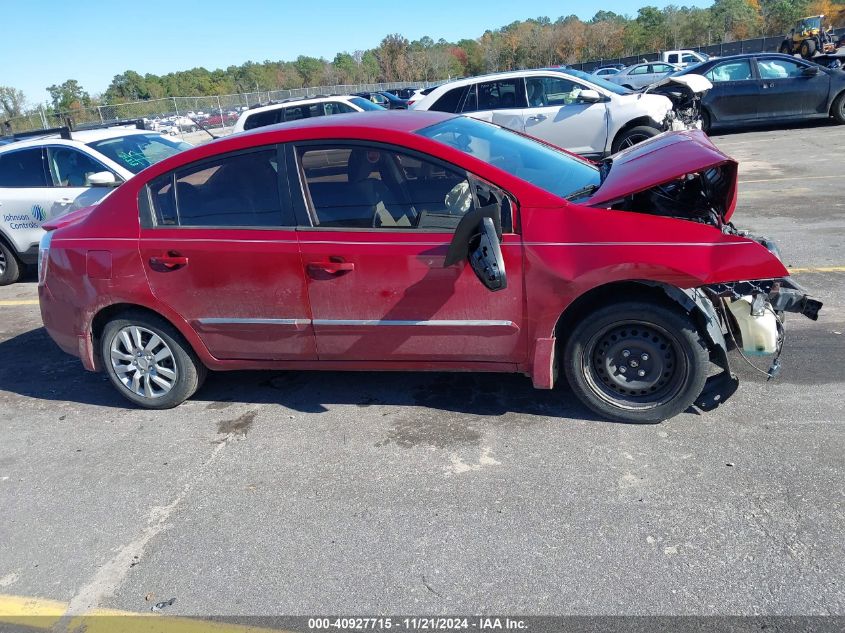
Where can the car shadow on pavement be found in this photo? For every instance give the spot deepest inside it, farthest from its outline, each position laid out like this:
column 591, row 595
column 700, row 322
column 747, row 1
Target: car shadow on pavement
column 32, row 366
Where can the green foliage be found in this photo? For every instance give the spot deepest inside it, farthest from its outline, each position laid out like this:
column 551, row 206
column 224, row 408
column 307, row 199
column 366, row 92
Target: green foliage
column 68, row 96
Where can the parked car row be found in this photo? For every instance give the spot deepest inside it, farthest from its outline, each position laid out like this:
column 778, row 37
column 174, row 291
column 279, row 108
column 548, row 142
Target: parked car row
column 579, row 112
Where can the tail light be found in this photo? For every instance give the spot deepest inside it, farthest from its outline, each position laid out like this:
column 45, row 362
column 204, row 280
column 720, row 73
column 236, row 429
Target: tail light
column 44, row 257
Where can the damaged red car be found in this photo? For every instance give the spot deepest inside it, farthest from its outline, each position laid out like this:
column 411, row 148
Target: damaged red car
column 422, row 241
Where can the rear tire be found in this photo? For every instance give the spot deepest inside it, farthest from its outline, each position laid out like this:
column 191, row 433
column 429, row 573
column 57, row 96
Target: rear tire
column 837, row 110
column 637, row 362
column 631, row 137
column 10, row 267
column 148, row 361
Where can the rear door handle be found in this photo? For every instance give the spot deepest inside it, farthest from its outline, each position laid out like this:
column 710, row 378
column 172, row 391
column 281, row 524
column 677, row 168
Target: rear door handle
column 168, row 262
column 332, row 268
column 65, row 201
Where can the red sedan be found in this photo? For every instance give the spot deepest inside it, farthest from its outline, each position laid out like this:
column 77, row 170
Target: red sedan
column 421, row 241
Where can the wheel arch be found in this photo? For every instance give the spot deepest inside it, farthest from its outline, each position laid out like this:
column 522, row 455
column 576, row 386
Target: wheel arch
column 110, row 312
column 630, row 125
column 690, row 302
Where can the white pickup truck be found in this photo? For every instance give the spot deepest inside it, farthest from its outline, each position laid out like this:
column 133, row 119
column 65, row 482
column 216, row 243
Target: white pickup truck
column 684, row 57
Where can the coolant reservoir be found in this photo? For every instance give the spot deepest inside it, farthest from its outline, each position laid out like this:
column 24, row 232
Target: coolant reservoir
column 759, row 333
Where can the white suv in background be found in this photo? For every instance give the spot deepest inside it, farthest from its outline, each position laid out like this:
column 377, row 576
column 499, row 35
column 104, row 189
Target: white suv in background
column 49, row 173
column 295, row 109
column 579, row 112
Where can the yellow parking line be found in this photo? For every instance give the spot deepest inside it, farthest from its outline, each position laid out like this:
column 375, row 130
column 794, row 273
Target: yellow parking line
column 44, row 614
column 19, row 302
column 818, row 269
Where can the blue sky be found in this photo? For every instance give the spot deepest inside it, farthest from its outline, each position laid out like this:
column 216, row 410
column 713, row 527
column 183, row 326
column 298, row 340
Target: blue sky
column 49, row 41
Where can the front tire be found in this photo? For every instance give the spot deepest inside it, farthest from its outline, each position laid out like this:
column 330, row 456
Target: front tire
column 631, row 137
column 636, row 362
column 808, row 49
column 10, row 267
column 785, row 48
column 148, row 361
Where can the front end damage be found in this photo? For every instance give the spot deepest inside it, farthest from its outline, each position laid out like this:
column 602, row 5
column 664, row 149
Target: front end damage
column 690, row 179
column 685, row 92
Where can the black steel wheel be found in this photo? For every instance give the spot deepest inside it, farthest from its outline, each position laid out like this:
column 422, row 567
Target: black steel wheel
column 636, row 362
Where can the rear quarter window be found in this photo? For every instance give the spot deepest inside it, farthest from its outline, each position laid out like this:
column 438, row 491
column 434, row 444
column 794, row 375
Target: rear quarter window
column 260, row 119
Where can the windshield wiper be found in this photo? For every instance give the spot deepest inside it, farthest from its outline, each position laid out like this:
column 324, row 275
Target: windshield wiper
column 583, row 192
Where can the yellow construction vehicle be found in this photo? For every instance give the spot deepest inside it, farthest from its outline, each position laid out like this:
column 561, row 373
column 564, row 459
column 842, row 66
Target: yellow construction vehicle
column 809, row 38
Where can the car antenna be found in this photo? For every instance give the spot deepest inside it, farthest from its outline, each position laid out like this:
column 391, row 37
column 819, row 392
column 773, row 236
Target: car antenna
column 204, row 129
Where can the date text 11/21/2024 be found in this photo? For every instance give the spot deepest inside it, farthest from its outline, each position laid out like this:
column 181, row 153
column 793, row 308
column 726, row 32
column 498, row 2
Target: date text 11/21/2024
column 418, row 624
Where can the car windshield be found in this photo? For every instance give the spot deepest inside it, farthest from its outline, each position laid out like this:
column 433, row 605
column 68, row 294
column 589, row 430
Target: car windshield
column 542, row 165
column 598, row 81
column 138, row 151
column 365, row 104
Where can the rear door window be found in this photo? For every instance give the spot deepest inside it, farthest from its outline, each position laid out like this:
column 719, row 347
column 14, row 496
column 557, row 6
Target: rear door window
column 502, row 94
column 639, row 70
column 24, row 168
column 260, row 119
column 235, row 190
column 730, row 71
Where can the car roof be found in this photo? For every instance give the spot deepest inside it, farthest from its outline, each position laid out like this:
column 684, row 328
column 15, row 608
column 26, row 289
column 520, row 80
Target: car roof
column 78, row 137
column 408, row 121
column 295, row 102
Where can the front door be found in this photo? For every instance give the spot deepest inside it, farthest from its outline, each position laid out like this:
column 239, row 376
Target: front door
column 377, row 222
column 787, row 91
column 556, row 115
column 219, row 248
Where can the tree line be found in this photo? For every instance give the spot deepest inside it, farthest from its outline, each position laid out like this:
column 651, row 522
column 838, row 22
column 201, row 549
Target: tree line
column 530, row 43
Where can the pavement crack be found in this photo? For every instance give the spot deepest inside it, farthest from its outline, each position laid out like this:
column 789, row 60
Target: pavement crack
column 110, row 576
column 432, row 589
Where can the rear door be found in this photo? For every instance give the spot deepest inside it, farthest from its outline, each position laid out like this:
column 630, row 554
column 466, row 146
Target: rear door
column 376, row 222
column 218, row 244
column 735, row 93
column 500, row 101
column 557, row 115
column 787, row 91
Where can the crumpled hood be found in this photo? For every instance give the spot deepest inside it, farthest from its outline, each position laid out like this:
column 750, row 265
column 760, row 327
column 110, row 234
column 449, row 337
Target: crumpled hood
column 661, row 159
column 698, row 84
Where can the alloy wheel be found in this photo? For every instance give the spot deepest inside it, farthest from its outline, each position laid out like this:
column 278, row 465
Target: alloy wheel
column 2, row 262
column 632, row 140
column 143, row 362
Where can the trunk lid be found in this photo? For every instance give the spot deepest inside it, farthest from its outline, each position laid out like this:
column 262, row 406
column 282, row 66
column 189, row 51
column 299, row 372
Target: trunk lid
column 68, row 218
column 665, row 158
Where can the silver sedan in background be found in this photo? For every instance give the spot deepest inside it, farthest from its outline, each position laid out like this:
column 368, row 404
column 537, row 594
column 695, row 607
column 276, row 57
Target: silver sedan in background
column 642, row 75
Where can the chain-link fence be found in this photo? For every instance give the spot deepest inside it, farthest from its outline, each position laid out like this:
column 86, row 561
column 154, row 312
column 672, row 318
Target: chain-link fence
column 181, row 115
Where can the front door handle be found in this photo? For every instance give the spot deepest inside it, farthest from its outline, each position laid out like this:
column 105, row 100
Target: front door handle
column 537, row 117
column 171, row 261
column 65, row 201
column 331, row 267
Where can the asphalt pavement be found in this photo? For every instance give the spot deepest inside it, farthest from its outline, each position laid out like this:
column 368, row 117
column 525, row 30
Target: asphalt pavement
column 401, row 493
